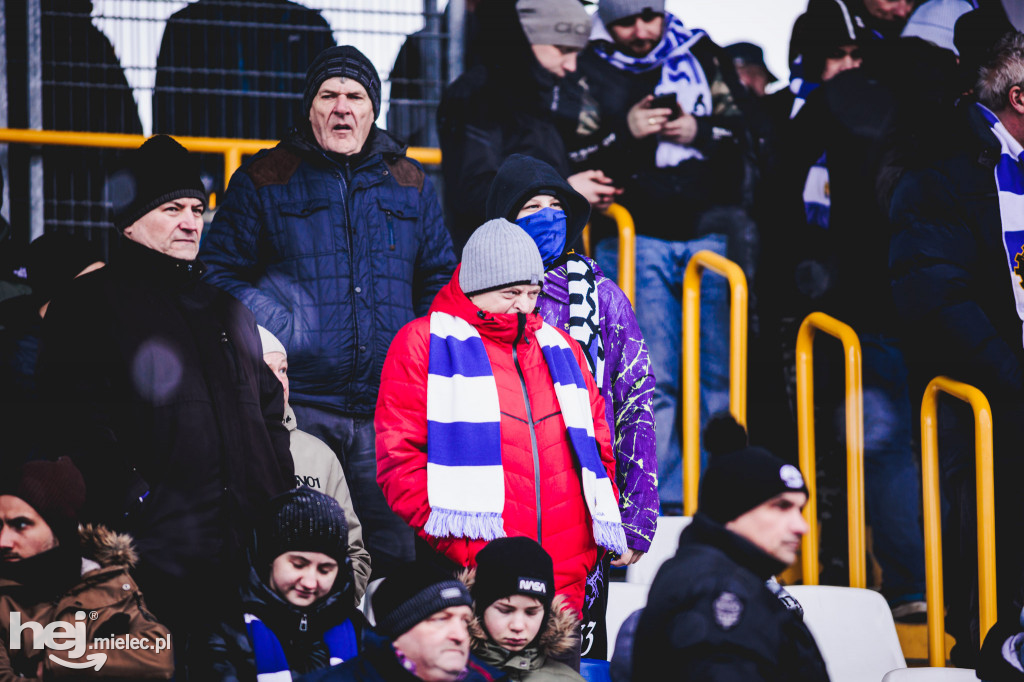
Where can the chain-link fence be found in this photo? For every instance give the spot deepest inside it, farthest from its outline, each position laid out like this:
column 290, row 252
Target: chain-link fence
column 205, row 68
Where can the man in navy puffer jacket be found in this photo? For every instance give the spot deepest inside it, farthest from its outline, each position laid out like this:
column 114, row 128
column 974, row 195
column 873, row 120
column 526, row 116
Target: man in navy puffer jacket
column 335, row 239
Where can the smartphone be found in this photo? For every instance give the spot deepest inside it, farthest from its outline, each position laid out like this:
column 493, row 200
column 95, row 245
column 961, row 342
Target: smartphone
column 667, row 102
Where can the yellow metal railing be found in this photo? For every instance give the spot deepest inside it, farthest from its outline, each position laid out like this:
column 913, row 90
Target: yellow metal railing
column 232, row 149
column 932, row 521
column 699, row 262
column 627, row 249
column 854, row 443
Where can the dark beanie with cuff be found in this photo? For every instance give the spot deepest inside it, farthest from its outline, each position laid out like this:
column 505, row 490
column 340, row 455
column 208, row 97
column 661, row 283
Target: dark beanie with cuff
column 611, row 11
column 413, row 593
column 159, row 171
column 511, row 566
column 56, row 490
column 499, row 254
column 303, row 520
column 341, row 61
column 740, row 477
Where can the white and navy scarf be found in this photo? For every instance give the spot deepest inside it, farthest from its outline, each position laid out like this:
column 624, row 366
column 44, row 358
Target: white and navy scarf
column 271, row 663
column 584, row 314
column 1009, row 173
column 465, row 479
column 681, row 75
column 817, row 192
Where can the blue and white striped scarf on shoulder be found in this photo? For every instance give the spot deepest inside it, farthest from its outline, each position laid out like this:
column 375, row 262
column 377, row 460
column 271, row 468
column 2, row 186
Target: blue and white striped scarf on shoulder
column 271, row 663
column 681, row 75
column 1009, row 174
column 465, row 478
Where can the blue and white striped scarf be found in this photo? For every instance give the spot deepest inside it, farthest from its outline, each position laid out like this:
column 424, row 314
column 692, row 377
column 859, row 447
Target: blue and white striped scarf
column 271, row 663
column 1009, row 173
column 465, row 478
column 681, row 75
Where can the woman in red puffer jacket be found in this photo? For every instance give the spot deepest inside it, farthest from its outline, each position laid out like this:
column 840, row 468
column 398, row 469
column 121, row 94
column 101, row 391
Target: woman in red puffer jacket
column 544, row 475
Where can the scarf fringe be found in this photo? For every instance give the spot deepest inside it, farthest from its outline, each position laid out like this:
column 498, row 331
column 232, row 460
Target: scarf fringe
column 455, row 523
column 609, row 534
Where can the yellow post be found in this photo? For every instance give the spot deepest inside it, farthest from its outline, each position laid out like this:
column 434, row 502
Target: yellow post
column 586, row 241
column 932, row 521
column 854, row 443
column 627, row 250
column 232, row 160
column 699, row 262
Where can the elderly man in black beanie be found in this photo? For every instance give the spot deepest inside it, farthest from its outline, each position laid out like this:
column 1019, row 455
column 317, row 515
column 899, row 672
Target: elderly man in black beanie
column 50, row 569
column 157, row 390
column 423, row 616
column 334, row 239
column 709, row 614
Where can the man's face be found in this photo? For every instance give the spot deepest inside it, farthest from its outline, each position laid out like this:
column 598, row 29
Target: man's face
column 639, row 34
column 341, row 116
column 890, row 10
column 439, row 645
column 301, row 578
column 754, row 76
column 843, row 58
column 558, row 60
column 278, row 363
column 23, row 533
column 173, row 228
column 775, row 526
column 521, row 298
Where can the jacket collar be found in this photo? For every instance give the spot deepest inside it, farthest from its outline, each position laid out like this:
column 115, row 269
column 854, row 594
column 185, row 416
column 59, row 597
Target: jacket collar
column 704, row 531
column 379, row 145
column 498, row 327
column 143, row 263
column 289, row 418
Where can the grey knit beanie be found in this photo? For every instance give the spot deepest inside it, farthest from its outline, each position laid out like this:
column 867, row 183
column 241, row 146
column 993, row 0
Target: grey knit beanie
column 499, row 254
column 554, row 22
column 611, row 11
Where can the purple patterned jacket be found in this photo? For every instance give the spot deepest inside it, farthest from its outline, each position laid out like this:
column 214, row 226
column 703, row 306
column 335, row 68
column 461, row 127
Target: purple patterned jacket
column 628, row 390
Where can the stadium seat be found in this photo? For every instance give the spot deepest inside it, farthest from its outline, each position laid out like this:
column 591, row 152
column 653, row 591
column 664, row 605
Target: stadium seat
column 930, row 675
column 623, row 599
column 663, row 547
column 854, row 630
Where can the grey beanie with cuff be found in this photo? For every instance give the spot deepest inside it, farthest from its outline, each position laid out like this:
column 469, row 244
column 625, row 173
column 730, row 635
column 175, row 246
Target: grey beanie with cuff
column 611, row 11
column 554, row 22
column 499, row 254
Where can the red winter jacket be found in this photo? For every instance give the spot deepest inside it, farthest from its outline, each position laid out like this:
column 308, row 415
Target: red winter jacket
column 548, row 507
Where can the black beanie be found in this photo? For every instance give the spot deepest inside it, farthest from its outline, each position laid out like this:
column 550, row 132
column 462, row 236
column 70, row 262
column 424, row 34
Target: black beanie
column 509, row 566
column 341, row 61
column 740, row 477
column 56, row 490
column 413, row 593
column 303, row 520
column 56, row 258
column 159, row 171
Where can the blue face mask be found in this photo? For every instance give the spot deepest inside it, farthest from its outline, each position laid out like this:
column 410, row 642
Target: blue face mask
column 547, row 227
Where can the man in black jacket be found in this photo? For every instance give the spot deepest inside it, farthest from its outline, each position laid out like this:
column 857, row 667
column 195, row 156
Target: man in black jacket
column 955, row 264
column 160, row 395
column 709, row 614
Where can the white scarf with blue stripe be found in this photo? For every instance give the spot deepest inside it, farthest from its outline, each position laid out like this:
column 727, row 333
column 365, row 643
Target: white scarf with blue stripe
column 271, row 663
column 465, row 478
column 1009, row 173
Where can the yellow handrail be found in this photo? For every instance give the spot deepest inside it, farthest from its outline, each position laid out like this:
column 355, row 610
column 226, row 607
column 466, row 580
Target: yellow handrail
column 854, row 443
column 231, row 148
column 699, row 262
column 932, row 522
column 627, row 250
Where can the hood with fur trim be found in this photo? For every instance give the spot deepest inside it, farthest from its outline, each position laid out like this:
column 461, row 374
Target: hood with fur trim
column 107, row 547
column 558, row 635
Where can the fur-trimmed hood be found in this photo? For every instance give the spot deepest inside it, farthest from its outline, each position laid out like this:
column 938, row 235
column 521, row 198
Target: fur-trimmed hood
column 107, row 547
column 558, row 635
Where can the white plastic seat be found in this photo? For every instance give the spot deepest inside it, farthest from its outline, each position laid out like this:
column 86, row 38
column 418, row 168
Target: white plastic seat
column 931, row 675
column 663, row 547
column 623, row 600
column 854, row 630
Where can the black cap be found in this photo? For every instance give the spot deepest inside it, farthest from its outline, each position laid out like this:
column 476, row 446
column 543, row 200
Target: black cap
column 159, row 171
column 56, row 490
column 413, row 593
column 303, row 520
column 341, row 61
column 509, row 566
column 749, row 54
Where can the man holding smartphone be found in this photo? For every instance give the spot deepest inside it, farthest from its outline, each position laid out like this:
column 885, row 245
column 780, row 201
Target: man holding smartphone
column 665, row 123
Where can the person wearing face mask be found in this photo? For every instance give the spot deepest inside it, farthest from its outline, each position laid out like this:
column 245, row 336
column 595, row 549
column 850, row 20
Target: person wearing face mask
column 520, row 622
column 579, row 299
column 297, row 612
column 489, row 423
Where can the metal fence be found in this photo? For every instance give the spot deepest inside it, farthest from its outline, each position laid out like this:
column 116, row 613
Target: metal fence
column 205, row 68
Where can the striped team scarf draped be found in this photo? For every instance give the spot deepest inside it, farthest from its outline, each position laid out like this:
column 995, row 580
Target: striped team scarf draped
column 584, row 314
column 271, row 663
column 1009, row 173
column 465, row 478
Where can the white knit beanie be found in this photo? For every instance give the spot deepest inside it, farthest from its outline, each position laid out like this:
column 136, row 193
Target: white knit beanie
column 270, row 342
